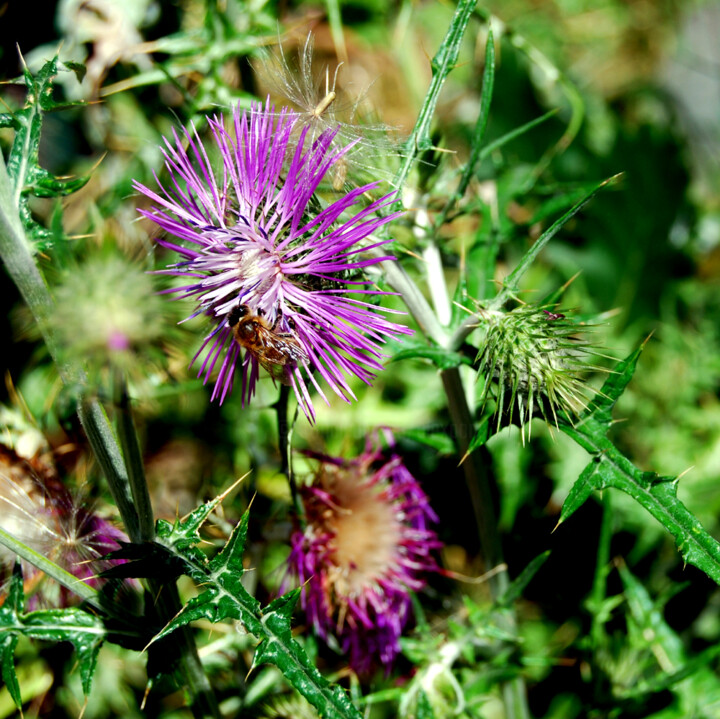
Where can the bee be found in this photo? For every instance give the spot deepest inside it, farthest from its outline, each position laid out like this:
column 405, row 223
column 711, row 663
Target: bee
column 277, row 352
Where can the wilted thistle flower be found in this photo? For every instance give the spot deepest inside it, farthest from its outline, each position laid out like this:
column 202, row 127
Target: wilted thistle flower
column 37, row 509
column 366, row 545
column 321, row 105
column 265, row 263
column 536, row 357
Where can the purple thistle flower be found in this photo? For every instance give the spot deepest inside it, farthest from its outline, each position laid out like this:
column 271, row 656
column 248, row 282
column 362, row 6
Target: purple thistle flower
column 276, row 274
column 366, row 546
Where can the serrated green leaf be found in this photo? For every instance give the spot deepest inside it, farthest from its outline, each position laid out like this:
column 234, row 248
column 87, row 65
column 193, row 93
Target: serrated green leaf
column 294, row 664
column 695, row 669
column 45, row 184
column 675, row 666
column 224, row 597
column 581, row 491
column 229, row 559
column 648, row 616
column 600, row 409
column 78, row 68
column 186, row 532
column 610, row 468
column 181, row 537
column 83, row 630
column 26, row 175
column 142, row 560
column 482, row 434
column 9, row 613
column 8, row 642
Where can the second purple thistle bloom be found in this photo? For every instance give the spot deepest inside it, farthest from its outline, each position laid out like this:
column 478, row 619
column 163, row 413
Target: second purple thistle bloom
column 367, row 544
column 278, row 275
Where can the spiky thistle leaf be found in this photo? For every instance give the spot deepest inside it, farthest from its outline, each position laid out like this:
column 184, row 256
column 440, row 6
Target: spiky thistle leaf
column 84, row 630
column 23, row 166
column 610, row 468
column 225, row 598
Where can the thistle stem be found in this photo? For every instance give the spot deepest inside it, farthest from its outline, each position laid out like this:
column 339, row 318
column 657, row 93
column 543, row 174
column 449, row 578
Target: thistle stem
column 476, row 478
column 127, row 435
column 285, row 446
column 436, row 282
column 167, row 604
column 442, row 65
column 478, row 135
column 165, row 595
column 414, row 300
column 102, row 441
column 479, row 488
column 15, row 251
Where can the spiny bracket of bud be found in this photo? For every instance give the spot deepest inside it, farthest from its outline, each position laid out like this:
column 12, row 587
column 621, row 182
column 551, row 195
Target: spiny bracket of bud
column 534, row 357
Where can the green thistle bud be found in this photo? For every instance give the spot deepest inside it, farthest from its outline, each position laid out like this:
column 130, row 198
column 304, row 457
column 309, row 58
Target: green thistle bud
column 107, row 311
column 535, row 358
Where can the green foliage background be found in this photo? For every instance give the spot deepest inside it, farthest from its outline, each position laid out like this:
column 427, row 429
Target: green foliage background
column 611, row 621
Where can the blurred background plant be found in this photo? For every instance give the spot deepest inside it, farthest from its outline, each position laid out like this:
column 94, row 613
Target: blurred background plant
column 612, row 624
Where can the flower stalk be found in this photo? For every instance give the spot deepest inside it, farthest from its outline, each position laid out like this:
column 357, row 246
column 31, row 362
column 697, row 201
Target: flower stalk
column 479, row 488
column 130, row 446
column 477, row 481
column 285, row 429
